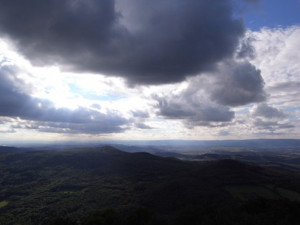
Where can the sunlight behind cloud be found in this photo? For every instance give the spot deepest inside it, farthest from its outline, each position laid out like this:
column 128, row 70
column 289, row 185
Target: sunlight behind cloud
column 137, row 109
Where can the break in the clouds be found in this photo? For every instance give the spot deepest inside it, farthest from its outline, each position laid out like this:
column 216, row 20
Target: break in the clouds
column 42, row 115
column 147, row 42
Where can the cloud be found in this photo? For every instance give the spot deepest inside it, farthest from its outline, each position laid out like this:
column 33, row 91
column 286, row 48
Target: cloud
column 276, row 54
column 142, row 126
column 7, row 131
column 285, row 94
column 16, row 103
column 224, row 133
column 245, row 49
column 238, row 83
column 103, row 126
column 192, row 110
column 139, row 117
column 270, row 118
column 286, row 87
column 146, row 43
column 272, row 125
column 140, row 114
column 4, row 129
column 263, row 110
column 207, row 99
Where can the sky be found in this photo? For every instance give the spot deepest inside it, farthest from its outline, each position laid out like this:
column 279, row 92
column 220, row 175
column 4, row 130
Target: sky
column 91, row 70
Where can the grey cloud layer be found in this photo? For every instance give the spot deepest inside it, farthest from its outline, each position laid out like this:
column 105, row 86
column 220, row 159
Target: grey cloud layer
column 272, row 126
column 193, row 111
column 263, row 110
column 270, row 118
column 208, row 98
column 192, row 108
column 148, row 42
column 45, row 116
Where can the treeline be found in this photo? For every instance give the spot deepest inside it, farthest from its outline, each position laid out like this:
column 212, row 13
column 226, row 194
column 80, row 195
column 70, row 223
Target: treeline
column 256, row 212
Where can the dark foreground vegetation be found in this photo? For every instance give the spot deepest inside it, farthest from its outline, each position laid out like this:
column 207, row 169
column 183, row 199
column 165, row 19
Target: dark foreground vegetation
column 260, row 212
column 108, row 187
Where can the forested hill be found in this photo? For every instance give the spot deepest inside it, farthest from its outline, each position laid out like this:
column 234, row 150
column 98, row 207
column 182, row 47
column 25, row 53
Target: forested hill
column 79, row 186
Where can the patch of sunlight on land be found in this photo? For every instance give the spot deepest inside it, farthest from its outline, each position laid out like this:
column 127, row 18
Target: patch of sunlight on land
column 250, row 192
column 291, row 195
column 3, row 204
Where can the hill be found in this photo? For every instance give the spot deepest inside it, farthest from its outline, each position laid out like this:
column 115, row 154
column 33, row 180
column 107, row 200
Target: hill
column 38, row 186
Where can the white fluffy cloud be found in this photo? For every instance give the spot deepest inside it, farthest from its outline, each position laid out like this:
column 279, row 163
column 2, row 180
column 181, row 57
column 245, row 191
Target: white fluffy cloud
column 277, row 54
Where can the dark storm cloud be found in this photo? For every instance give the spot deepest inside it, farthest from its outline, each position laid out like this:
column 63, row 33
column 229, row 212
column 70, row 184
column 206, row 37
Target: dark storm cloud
column 263, row 110
column 239, row 83
column 147, row 42
column 15, row 103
